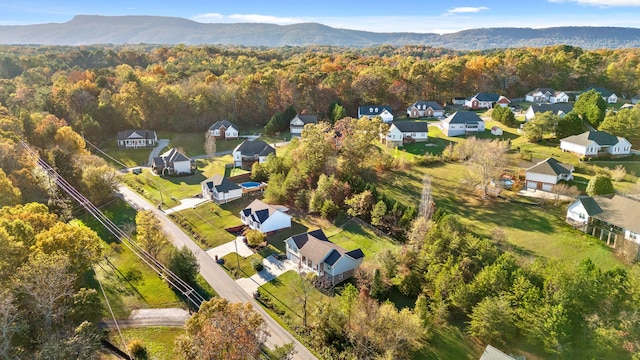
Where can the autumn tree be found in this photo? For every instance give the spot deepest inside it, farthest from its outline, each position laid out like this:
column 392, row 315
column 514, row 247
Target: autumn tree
column 149, row 233
column 360, row 204
column 487, row 160
column 542, row 125
column 563, row 189
column 80, row 244
column 222, row 330
column 209, row 144
column 9, row 194
column 624, row 123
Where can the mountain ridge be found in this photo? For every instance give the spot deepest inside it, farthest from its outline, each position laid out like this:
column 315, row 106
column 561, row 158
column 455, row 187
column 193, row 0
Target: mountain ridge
column 146, row 29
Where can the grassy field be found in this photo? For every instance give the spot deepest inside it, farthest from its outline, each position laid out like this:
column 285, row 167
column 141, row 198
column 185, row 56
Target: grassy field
column 354, row 235
column 128, row 157
column 158, row 341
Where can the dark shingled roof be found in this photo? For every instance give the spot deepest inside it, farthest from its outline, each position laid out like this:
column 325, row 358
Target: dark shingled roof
column 463, row 117
column 174, row 155
column 356, row 254
column 371, row 109
column 551, row 166
column 410, row 126
column 221, row 183
column 141, row 134
column 333, row 256
column 554, row 108
column 423, row 105
column 218, row 124
column 602, row 91
column 485, row 97
column 255, row 147
column 542, row 90
column 307, row 119
column 316, row 247
column 600, row 137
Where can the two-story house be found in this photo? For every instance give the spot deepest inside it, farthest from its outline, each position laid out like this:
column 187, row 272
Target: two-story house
column 223, row 130
column 250, row 152
column 371, row 111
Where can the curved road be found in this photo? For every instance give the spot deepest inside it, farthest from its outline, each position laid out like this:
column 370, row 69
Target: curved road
column 216, row 277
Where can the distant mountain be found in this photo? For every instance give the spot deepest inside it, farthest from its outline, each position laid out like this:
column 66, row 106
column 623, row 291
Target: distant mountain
column 92, row 29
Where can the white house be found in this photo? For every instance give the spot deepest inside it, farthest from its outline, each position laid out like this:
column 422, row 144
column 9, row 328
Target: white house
column 312, row 251
column 406, row 131
column 608, row 96
column 299, row 121
column 539, row 95
column 137, row 138
column 372, row 111
column 220, row 189
column 613, row 217
column 251, row 151
column 596, row 143
column 425, row 109
column 224, row 130
column 264, row 217
column 559, row 109
column 491, row 353
column 635, row 99
column 172, row 162
column 496, row 131
column 486, row 101
column 461, row 123
column 559, row 97
column 547, row 173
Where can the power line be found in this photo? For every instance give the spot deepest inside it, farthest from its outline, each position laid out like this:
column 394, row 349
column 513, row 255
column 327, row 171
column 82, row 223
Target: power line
column 176, row 282
column 113, row 316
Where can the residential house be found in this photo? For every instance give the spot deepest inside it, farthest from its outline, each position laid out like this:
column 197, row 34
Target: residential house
column 372, row 111
column 462, row 123
column 406, row 131
column 635, row 99
column 539, row 95
column 223, row 130
column 560, row 109
column 172, row 162
column 425, row 109
column 251, row 151
column 596, row 144
column 559, row 97
column 299, row 121
column 496, row 131
column 486, row 101
column 608, row 96
column 611, row 217
column 627, row 106
column 220, row 189
column 312, row 251
column 547, row 173
column 491, row 353
column 264, row 217
column 458, row 101
column 137, row 138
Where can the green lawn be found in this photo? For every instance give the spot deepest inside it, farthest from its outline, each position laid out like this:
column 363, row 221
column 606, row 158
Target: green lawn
column 158, row 341
column 192, row 143
column 128, row 157
column 232, row 260
column 354, row 236
column 210, row 221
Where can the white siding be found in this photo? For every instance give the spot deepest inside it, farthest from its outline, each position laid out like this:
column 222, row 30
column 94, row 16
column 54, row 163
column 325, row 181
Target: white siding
column 577, row 212
column 237, row 158
column 278, row 220
column 543, row 178
column 182, row 167
column 228, row 196
column 231, row 133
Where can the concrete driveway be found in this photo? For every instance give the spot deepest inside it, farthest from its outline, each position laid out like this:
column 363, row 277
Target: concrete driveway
column 272, row 269
column 188, row 203
column 230, row 247
column 162, row 143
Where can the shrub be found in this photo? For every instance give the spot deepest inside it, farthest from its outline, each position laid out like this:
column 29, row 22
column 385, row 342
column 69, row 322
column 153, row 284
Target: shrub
column 599, row 185
column 137, row 349
column 618, row 173
column 254, row 237
column 256, row 263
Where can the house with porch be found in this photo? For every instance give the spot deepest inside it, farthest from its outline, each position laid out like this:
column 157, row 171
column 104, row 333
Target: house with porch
column 539, row 95
column 425, row 109
column 264, row 217
column 250, row 152
column 611, row 218
column 172, row 162
column 462, row 123
column 559, row 97
column 137, row 138
column 402, row 132
column 547, row 173
column 313, row 252
column 223, row 130
column 220, row 189
column 486, row 101
column 559, row 109
column 371, row 111
column 299, row 121
column 596, row 144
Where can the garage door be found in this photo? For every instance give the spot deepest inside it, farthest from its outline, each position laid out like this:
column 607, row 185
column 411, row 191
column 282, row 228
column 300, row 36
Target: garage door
column 532, row 185
column 547, row 187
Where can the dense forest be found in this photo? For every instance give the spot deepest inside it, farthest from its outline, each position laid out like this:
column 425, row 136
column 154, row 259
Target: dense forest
column 100, row 90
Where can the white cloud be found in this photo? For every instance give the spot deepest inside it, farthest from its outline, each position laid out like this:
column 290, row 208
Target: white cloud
column 602, row 3
column 208, row 17
column 256, row 18
column 467, row 9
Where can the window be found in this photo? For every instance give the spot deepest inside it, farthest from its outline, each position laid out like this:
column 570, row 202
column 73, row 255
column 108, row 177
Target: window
column 340, row 276
column 370, row 109
column 376, row 109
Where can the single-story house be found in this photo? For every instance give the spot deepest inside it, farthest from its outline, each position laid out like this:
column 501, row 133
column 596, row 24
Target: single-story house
column 560, row 109
column 596, row 143
column 539, row 95
column 220, row 189
column 312, row 251
column 458, row 100
column 137, row 138
column 299, row 121
column 613, row 217
column 486, row 101
column 264, row 217
column 547, row 173
column 461, row 123
column 491, row 353
column 172, row 162
column 251, row 151
column 224, row 130
column 406, row 131
column 497, row 131
column 608, row 96
column 559, row 97
column 425, row 109
column 372, row 111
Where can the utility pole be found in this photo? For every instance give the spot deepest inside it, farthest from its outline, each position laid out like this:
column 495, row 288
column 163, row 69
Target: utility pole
column 160, row 191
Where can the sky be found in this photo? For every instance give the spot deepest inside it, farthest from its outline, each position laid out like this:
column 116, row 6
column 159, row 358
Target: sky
column 420, row 16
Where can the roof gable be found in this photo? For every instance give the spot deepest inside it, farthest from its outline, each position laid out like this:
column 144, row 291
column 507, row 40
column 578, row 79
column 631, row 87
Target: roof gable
column 486, row 97
column 221, row 184
column 551, row 166
column 599, row 137
column 255, row 147
column 218, row 124
column 411, row 126
column 305, row 119
column 137, row 134
column 463, row 117
column 373, row 110
column 174, row 155
column 423, row 105
column 315, row 246
column 617, row 210
column 554, row 108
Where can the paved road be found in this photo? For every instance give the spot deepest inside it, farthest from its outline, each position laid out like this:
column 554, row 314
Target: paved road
column 162, row 143
column 217, row 278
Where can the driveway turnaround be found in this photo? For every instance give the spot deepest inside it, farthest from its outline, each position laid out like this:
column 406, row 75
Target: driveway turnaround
column 272, row 269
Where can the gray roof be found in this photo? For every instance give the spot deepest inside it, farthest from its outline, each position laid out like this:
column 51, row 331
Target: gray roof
column 221, row 183
column 554, row 108
column 491, row 353
column 307, row 119
column 427, row 104
column 371, row 109
column 315, row 246
column 411, row 126
column 602, row 91
column 599, row 137
column 463, row 117
column 218, row 124
column 616, row 210
column 542, row 90
column 551, row 166
column 259, row 211
column 174, row 155
column 485, row 97
column 255, row 147
column 136, row 134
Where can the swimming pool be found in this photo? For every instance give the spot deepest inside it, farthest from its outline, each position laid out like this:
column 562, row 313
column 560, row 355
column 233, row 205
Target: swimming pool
column 250, row 184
